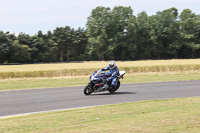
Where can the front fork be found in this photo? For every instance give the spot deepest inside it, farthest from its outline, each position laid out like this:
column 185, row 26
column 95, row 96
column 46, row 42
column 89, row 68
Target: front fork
column 91, row 86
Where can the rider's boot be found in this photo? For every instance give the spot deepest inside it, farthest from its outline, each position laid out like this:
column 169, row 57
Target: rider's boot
column 105, row 86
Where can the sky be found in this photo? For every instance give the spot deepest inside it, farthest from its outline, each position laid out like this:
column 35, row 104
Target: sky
column 30, row 16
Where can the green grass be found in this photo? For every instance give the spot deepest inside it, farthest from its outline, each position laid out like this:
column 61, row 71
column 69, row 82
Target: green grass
column 41, row 83
column 64, row 82
column 155, row 116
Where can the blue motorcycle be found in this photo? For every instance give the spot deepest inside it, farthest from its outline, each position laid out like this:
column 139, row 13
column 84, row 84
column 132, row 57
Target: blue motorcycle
column 97, row 82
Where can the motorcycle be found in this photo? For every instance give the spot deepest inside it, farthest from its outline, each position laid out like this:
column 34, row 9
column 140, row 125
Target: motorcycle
column 97, row 82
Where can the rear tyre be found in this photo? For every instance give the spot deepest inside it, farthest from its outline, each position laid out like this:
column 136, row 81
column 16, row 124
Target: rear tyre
column 88, row 89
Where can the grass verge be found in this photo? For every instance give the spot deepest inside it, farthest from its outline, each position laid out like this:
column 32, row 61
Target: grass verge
column 155, row 116
column 64, row 82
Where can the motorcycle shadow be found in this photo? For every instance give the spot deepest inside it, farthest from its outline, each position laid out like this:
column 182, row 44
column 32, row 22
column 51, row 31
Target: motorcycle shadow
column 116, row 93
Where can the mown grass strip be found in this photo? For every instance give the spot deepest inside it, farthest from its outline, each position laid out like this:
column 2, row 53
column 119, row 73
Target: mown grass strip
column 63, row 82
column 155, row 116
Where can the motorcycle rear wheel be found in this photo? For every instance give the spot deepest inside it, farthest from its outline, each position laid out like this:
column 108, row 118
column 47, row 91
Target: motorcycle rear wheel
column 88, row 89
column 118, row 85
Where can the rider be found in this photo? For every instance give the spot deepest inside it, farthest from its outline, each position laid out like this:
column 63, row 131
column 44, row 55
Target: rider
column 114, row 72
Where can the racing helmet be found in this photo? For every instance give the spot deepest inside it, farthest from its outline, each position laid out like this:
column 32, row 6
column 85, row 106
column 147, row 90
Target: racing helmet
column 112, row 64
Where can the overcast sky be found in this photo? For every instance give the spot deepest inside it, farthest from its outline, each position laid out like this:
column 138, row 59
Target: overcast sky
column 30, row 16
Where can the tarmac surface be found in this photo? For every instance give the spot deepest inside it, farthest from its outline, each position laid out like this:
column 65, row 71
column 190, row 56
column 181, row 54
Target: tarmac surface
column 50, row 99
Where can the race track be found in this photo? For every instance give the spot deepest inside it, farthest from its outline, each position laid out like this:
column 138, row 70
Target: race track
column 37, row 100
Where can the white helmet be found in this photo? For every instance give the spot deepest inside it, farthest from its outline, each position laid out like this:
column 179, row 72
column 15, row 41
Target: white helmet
column 112, row 64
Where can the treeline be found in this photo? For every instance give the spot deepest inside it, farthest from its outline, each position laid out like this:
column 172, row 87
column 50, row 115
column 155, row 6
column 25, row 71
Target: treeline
column 110, row 34
column 63, row 44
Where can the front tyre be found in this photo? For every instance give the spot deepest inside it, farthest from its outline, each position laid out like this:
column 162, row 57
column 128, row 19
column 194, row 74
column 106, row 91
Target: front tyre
column 114, row 88
column 111, row 89
column 88, row 89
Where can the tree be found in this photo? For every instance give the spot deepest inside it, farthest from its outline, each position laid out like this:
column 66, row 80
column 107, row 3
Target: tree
column 2, row 54
column 140, row 31
column 51, row 47
column 38, row 49
column 97, row 27
column 106, row 31
column 119, row 24
column 165, row 33
column 24, row 39
column 190, row 28
column 6, row 40
column 80, row 45
column 20, row 53
column 64, row 38
column 131, row 38
column 2, row 47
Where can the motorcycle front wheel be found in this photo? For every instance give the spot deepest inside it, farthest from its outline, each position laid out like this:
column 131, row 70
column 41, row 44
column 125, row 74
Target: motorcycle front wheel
column 113, row 89
column 88, row 89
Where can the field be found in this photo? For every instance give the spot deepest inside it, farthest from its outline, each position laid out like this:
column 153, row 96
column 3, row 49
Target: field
column 95, row 64
column 86, row 68
column 156, row 116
